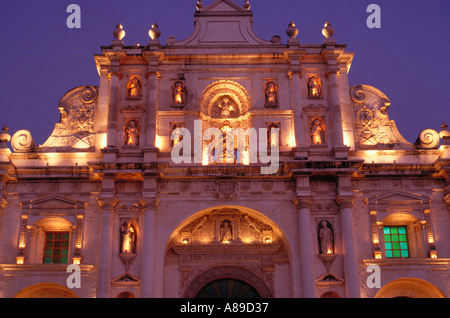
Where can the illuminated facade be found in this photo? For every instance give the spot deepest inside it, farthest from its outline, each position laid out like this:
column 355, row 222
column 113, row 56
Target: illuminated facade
column 104, row 193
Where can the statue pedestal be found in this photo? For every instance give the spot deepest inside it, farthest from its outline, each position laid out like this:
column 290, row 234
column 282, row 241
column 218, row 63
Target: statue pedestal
column 327, row 260
column 127, row 259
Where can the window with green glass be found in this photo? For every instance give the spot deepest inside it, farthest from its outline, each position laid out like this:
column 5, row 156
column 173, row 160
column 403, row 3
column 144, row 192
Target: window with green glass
column 395, row 241
column 56, row 249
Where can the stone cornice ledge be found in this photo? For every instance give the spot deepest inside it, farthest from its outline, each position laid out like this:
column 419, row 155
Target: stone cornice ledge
column 412, row 263
column 56, row 268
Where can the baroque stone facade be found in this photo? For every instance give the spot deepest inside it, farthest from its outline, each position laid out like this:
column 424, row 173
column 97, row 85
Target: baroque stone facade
column 104, row 193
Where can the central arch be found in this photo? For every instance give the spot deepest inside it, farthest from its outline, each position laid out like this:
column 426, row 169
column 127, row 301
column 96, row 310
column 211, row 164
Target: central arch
column 236, row 94
column 233, row 243
column 253, row 286
column 46, row 290
column 409, row 287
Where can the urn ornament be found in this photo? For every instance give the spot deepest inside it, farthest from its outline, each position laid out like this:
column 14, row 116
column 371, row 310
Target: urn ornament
column 119, row 32
column 154, row 32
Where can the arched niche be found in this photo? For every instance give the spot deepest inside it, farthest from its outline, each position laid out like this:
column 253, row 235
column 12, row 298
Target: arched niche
column 214, row 96
column 253, row 244
column 409, row 288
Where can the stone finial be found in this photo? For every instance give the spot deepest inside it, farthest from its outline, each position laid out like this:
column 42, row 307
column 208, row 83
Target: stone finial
column 119, row 32
column 292, row 31
column 5, row 137
column 328, row 30
column 199, row 5
column 154, row 32
column 246, row 5
column 445, row 134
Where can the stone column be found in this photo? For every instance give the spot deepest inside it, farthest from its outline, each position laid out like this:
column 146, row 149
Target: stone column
column 150, row 150
column 148, row 251
column 348, row 238
column 333, row 76
column 307, row 272
column 332, row 55
column 112, row 109
column 107, row 206
column 301, row 149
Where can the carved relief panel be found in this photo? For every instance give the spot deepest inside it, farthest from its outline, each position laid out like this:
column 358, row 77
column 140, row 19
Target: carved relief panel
column 226, row 226
column 226, row 237
column 374, row 130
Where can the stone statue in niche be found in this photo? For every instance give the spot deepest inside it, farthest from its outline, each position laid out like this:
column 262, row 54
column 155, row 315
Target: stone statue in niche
column 317, row 132
column 226, row 108
column 175, row 141
column 326, row 238
column 314, row 87
column 226, row 232
column 179, row 94
column 271, row 92
column 128, row 238
column 273, row 135
column 134, row 88
column 132, row 132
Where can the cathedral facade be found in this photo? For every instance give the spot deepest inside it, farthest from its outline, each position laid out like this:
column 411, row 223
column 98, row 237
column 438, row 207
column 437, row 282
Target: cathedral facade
column 138, row 188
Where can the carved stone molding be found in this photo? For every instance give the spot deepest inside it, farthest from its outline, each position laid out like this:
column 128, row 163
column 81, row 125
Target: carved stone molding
column 225, row 189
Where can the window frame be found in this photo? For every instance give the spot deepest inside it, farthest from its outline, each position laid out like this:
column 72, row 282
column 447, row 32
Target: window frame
column 55, row 248
column 392, row 240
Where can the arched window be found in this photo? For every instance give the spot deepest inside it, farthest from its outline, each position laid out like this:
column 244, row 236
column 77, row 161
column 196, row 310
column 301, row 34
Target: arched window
column 51, row 241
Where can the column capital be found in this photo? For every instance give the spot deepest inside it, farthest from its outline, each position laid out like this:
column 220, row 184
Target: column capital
column 107, row 203
column 3, row 204
column 149, row 204
column 345, row 202
column 303, row 202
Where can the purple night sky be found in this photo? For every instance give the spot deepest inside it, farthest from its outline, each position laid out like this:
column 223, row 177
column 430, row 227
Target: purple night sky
column 42, row 59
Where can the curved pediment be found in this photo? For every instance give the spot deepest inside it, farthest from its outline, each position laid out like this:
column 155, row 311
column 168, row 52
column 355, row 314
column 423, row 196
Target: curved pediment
column 222, row 23
column 373, row 128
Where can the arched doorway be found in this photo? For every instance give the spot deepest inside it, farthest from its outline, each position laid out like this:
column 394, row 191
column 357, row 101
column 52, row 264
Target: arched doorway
column 228, row 288
column 409, row 288
column 227, row 282
column 46, row 290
